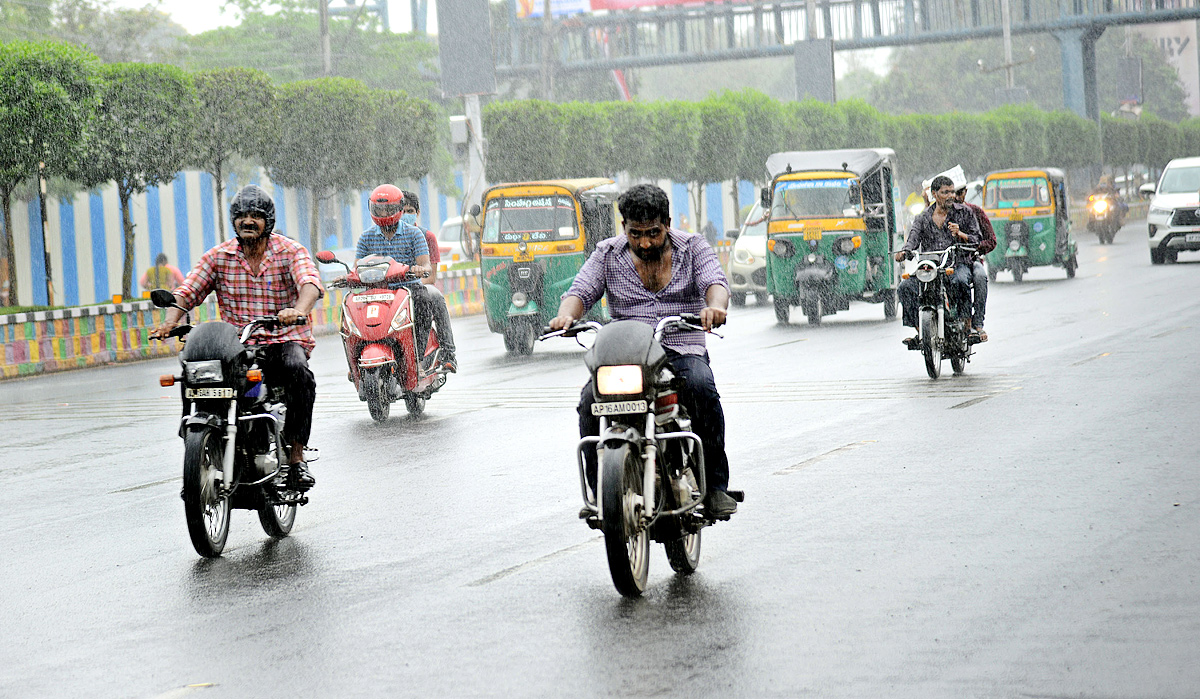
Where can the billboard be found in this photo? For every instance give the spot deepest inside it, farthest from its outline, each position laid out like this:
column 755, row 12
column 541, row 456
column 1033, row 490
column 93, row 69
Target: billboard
column 1178, row 43
column 526, row 9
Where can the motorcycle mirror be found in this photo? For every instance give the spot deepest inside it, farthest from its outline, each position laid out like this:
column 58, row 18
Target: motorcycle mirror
column 162, row 298
column 326, row 257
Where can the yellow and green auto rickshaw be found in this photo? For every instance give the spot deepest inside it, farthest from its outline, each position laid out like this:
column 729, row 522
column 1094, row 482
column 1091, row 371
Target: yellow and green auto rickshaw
column 832, row 230
column 536, row 236
column 1028, row 210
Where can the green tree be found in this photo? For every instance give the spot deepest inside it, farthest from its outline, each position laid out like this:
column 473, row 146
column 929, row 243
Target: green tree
column 143, row 136
column 229, row 122
column 587, row 138
column 631, row 137
column 406, row 136
column 676, row 128
column 525, row 140
column 762, row 136
column 320, row 132
column 47, row 104
column 718, row 147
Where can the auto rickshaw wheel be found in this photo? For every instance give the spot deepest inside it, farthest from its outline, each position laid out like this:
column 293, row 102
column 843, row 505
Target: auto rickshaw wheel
column 991, row 272
column 1018, row 271
column 889, row 303
column 812, row 310
column 1071, row 264
column 520, row 336
column 783, row 309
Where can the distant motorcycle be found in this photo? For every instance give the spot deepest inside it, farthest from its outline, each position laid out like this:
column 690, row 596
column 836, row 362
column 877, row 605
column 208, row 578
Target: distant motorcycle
column 1106, row 215
column 234, row 455
column 651, row 478
column 942, row 334
column 379, row 337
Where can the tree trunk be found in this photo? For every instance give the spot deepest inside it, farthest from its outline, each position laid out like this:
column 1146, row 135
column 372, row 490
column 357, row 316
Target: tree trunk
column 314, row 223
column 125, row 195
column 697, row 192
column 220, row 184
column 737, row 204
column 8, row 278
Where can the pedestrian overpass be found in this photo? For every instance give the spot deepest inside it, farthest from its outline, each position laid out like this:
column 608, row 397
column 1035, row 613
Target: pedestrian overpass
column 722, row 31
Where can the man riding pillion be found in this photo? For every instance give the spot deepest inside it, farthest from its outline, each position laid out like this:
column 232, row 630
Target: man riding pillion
column 651, row 272
column 938, row 227
column 979, row 278
column 263, row 273
column 441, row 314
column 404, row 243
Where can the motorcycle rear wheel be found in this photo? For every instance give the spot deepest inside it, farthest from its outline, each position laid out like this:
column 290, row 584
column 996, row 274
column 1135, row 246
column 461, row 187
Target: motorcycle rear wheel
column 206, row 510
column 626, row 540
column 276, row 520
column 930, row 347
column 379, row 403
column 414, row 404
column 958, row 364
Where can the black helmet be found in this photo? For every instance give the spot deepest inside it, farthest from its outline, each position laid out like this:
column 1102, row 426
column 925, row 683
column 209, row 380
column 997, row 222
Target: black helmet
column 253, row 199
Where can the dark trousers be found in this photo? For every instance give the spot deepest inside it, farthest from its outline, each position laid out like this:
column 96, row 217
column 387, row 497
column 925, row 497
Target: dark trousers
column 960, row 295
column 285, row 364
column 699, row 396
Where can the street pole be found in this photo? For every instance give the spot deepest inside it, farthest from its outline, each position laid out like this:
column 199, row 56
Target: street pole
column 810, row 15
column 1006, row 19
column 475, row 165
column 547, row 53
column 326, row 59
column 45, row 248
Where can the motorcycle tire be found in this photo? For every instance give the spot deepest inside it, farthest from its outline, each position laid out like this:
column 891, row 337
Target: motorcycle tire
column 626, row 540
column 207, row 512
column 379, row 403
column 684, row 553
column 931, row 349
column 276, row 520
column 414, row 404
column 958, row 364
column 783, row 310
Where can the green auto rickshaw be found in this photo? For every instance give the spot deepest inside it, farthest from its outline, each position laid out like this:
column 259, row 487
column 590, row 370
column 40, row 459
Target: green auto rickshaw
column 536, row 236
column 1028, row 209
column 831, row 231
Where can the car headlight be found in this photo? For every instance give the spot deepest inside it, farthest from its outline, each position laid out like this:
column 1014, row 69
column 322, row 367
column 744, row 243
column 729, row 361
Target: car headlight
column 400, row 319
column 743, row 256
column 207, row 371
column 926, row 272
column 1014, row 244
column 844, row 245
column 519, row 299
column 1157, row 211
column 619, row 380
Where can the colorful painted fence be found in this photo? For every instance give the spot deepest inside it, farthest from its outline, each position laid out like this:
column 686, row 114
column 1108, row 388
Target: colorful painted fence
column 74, row 338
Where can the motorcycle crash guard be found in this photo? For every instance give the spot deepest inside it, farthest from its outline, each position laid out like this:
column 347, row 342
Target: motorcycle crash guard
column 375, row 354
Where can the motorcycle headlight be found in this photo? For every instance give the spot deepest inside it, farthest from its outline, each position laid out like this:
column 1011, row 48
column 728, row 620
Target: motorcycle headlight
column 1014, row 244
column 400, row 319
column 207, row 371
column 519, row 299
column 1100, row 206
column 926, row 272
column 619, row 380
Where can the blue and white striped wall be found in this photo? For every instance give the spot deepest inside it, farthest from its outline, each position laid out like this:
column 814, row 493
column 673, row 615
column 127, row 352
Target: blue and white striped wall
column 86, row 245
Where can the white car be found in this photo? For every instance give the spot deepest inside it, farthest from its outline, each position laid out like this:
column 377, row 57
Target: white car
column 748, row 259
column 1174, row 216
column 450, row 241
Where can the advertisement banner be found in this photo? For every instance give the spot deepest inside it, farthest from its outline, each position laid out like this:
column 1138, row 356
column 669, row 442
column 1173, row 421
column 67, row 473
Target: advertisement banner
column 1178, row 43
column 527, row 9
column 631, row 4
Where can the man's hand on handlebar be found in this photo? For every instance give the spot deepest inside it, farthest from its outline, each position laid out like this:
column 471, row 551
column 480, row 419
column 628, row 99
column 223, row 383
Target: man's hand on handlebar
column 903, row 255
column 418, row 271
column 560, row 322
column 160, row 333
column 712, row 317
column 290, row 316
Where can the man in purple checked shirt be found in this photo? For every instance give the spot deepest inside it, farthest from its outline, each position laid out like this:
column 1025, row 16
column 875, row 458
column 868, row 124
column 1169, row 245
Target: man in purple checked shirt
column 649, row 273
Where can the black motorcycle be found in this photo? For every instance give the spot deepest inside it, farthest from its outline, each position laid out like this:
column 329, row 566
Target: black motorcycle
column 232, row 427
column 942, row 333
column 651, row 480
column 1106, row 215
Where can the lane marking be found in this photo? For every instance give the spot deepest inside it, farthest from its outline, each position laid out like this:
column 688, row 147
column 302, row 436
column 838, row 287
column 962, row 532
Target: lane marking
column 1098, row 356
column 973, row 401
column 1036, row 288
column 130, row 489
column 821, row 457
column 185, row 690
column 1170, row 332
column 789, row 342
column 530, row 564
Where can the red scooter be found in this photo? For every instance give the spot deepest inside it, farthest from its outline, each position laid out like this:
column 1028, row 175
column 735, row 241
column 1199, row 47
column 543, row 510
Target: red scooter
column 378, row 334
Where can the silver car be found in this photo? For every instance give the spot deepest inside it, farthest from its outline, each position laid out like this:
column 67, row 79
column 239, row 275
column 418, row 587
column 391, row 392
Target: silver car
column 747, row 271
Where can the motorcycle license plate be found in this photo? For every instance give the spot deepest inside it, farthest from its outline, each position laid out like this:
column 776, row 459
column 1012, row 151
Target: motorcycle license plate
column 1192, row 237
column 620, row 408
column 369, row 298
column 208, row 393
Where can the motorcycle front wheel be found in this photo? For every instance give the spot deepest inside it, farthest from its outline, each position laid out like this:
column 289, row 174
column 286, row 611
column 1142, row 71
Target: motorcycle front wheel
column 626, row 540
column 930, row 347
column 204, row 507
column 379, row 403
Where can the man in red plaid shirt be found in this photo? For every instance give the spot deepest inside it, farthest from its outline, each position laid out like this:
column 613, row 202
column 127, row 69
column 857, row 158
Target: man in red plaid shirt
column 263, row 273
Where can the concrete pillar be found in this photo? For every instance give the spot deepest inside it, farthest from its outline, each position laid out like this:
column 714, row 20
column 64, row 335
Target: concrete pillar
column 1079, row 70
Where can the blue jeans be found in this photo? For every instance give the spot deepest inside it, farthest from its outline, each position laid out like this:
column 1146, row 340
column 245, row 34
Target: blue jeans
column 959, row 289
column 980, row 279
column 699, row 396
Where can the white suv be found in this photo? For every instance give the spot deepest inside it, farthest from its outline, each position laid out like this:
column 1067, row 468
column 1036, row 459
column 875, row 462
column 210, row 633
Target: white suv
column 1174, row 216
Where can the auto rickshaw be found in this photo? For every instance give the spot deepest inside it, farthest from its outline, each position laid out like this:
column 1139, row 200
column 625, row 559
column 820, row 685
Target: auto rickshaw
column 536, row 236
column 832, row 230
column 1029, row 212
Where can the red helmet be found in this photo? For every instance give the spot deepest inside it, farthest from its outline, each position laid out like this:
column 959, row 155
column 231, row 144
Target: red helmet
column 386, row 204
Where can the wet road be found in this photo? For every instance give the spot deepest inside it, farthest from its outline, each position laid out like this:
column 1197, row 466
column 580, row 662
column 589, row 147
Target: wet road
column 1028, row 529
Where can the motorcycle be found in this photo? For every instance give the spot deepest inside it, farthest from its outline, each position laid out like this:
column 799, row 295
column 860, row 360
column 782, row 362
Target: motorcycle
column 234, row 455
column 1105, row 216
column 651, row 478
column 379, row 337
column 942, row 334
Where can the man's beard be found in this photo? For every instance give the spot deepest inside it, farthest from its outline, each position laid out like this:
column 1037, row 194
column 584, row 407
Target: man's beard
column 653, row 254
column 245, row 240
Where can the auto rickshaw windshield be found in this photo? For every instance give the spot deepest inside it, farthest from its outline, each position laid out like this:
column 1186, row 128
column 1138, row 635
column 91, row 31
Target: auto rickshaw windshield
column 828, row 198
column 536, row 218
column 1018, row 192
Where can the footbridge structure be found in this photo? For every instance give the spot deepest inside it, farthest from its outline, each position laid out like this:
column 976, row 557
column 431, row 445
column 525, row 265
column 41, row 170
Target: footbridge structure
column 722, row 31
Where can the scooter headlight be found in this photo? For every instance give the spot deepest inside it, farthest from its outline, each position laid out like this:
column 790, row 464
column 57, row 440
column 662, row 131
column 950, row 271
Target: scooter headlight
column 926, row 272
column 207, row 371
column 519, row 299
column 400, row 319
column 619, row 380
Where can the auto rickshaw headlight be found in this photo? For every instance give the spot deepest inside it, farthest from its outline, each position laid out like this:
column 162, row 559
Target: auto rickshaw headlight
column 926, row 272
column 522, row 246
column 1014, row 244
column 844, row 245
column 519, row 299
column 619, row 380
column 782, row 248
column 812, row 259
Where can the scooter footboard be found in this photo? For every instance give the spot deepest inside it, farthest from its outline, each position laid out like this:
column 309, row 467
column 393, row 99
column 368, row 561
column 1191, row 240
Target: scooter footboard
column 701, row 477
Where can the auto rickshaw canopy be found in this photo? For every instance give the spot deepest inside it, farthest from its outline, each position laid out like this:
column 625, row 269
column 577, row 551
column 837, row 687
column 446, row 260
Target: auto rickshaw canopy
column 860, row 161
